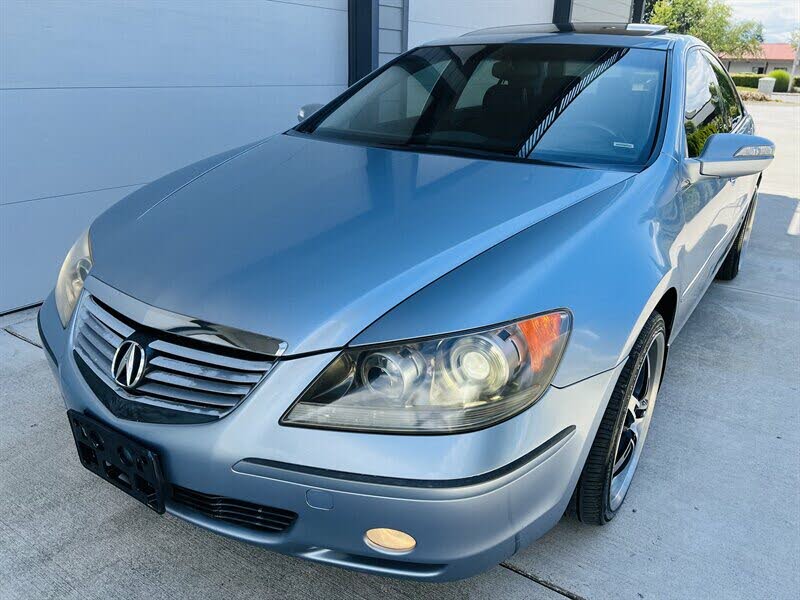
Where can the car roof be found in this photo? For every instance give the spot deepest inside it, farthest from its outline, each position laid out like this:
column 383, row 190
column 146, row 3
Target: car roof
column 606, row 34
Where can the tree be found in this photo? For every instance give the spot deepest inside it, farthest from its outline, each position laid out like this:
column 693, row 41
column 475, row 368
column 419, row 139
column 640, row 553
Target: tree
column 795, row 41
column 710, row 20
column 794, row 38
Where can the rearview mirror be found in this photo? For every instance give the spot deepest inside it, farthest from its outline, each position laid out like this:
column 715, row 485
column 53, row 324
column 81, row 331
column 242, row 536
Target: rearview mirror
column 735, row 155
column 307, row 110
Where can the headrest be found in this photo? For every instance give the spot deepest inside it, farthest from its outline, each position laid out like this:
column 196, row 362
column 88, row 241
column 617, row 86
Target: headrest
column 520, row 72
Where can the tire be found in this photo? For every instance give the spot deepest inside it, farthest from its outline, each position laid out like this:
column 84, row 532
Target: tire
column 615, row 452
column 729, row 268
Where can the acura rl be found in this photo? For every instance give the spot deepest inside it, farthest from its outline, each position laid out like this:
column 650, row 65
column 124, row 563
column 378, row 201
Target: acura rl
column 408, row 334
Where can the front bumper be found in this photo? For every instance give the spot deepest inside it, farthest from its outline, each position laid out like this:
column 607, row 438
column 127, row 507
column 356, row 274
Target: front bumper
column 470, row 500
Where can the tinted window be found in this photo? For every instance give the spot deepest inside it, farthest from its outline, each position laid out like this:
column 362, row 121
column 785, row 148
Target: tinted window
column 395, row 102
column 613, row 119
column 476, row 87
column 577, row 104
column 704, row 112
column 730, row 98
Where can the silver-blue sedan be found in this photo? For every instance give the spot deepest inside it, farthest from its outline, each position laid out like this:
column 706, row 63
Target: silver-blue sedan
column 408, row 334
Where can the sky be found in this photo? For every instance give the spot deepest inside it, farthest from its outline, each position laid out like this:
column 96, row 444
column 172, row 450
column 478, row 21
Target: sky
column 779, row 17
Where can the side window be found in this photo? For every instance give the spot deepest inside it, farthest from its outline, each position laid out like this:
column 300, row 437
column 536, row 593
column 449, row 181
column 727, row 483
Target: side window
column 730, row 98
column 704, row 113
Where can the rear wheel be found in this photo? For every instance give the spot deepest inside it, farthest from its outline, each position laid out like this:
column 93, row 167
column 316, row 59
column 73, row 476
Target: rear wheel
column 729, row 268
column 615, row 453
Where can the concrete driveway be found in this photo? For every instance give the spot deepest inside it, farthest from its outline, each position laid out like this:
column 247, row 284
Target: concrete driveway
column 714, row 511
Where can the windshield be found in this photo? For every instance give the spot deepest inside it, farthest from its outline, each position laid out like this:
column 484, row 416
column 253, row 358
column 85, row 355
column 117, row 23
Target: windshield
column 562, row 103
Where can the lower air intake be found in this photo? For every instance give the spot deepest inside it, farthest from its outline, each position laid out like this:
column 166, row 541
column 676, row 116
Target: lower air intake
column 239, row 512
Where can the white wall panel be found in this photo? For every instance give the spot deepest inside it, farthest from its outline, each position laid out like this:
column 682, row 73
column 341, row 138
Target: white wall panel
column 429, row 20
column 97, row 98
column 74, row 140
column 35, row 236
column 614, row 11
column 84, row 43
column 390, row 17
column 391, row 26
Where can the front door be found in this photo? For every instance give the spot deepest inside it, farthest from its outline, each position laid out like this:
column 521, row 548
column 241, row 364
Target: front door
column 707, row 202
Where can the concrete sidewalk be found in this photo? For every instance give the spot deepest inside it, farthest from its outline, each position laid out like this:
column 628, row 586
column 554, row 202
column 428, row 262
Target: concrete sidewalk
column 793, row 98
column 714, row 511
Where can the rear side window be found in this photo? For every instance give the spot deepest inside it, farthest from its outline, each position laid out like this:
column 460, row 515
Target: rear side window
column 704, row 110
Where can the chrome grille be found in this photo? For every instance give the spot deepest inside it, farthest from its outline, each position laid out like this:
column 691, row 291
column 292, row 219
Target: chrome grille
column 178, row 377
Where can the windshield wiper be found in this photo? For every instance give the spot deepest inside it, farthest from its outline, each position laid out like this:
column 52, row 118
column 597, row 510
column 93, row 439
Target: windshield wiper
column 478, row 153
column 471, row 152
column 439, row 149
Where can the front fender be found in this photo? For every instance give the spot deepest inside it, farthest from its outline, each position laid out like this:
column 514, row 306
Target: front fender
column 608, row 259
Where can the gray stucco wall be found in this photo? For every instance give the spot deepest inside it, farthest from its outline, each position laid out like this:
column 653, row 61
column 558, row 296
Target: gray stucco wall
column 98, row 98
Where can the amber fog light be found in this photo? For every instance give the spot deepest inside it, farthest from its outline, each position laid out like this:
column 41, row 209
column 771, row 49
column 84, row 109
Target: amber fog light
column 390, row 540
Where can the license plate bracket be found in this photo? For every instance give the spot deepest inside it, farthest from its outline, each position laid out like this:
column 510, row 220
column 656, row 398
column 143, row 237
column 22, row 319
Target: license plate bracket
column 118, row 459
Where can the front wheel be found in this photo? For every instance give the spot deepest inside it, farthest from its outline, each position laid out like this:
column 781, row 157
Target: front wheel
column 614, row 456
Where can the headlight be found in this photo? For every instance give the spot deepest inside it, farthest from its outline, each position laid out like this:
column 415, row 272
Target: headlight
column 445, row 385
column 73, row 273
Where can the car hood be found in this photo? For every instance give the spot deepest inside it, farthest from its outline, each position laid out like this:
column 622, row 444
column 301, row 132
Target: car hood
column 310, row 241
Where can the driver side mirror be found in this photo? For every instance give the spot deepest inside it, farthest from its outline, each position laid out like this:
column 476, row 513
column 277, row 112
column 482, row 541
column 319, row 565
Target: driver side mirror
column 307, row 110
column 732, row 155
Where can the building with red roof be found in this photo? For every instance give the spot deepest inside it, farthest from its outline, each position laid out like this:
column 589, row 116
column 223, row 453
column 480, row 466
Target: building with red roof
column 771, row 56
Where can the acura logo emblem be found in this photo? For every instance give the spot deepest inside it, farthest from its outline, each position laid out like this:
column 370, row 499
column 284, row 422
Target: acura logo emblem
column 127, row 367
